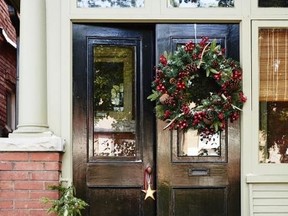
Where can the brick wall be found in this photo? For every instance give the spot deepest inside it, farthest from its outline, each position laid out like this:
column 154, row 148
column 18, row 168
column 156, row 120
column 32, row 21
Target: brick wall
column 24, row 181
column 5, row 21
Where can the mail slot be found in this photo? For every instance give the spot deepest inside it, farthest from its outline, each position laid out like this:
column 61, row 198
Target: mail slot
column 198, row 172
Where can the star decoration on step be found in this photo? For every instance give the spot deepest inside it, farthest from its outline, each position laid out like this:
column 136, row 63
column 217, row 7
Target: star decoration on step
column 149, row 192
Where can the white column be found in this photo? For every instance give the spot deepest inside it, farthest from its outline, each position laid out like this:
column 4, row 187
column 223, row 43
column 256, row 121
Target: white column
column 32, row 69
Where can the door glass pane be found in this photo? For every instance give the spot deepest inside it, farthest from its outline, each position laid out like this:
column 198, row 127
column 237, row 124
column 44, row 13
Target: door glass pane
column 192, row 144
column 192, row 147
column 273, row 96
column 110, row 3
column 200, row 3
column 114, row 114
column 273, row 3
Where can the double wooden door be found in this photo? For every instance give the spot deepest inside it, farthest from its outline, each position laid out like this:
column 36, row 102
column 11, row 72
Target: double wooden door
column 124, row 163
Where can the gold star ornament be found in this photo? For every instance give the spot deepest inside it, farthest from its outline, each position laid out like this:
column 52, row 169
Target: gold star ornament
column 149, row 193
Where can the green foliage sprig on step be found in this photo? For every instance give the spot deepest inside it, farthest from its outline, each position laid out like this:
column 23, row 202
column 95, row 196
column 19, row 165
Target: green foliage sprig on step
column 67, row 204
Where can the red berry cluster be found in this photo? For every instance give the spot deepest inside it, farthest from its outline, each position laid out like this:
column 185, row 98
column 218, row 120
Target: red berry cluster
column 243, row 98
column 234, row 116
column 204, row 41
column 182, row 124
column 163, row 60
column 189, row 46
column 181, row 84
column 217, row 76
column 161, row 88
column 237, row 75
column 185, row 109
column 167, row 114
column 198, row 117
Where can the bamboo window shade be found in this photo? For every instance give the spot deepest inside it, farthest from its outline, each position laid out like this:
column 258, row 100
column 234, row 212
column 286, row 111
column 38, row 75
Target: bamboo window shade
column 273, row 68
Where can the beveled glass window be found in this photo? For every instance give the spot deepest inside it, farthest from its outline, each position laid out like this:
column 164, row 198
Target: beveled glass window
column 200, row 3
column 114, row 114
column 110, row 3
column 273, row 95
column 273, row 3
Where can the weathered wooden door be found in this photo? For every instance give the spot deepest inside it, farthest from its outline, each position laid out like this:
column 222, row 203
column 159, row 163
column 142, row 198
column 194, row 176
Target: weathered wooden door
column 117, row 150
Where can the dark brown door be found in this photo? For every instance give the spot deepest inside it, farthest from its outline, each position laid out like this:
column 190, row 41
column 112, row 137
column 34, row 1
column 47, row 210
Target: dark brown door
column 113, row 124
column 198, row 176
column 116, row 152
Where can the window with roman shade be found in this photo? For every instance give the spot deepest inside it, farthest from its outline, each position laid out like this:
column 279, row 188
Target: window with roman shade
column 273, row 95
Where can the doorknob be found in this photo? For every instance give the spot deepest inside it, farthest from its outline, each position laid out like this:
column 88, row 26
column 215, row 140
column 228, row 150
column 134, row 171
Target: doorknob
column 147, row 183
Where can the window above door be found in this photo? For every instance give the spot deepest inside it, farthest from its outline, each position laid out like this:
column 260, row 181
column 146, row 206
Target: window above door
column 149, row 9
column 110, row 4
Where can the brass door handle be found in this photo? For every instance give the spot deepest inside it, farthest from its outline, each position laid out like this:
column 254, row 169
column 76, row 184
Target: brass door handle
column 148, row 183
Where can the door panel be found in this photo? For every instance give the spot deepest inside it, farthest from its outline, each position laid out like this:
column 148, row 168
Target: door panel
column 113, row 125
column 127, row 202
column 110, row 158
column 198, row 184
column 202, row 201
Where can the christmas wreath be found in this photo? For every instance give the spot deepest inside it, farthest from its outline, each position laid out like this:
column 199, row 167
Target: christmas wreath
column 197, row 87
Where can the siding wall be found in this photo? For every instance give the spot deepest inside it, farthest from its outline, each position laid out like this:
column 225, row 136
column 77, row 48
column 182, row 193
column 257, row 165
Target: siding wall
column 268, row 197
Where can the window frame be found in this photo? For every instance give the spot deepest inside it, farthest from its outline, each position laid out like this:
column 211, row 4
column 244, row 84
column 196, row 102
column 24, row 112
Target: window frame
column 267, row 12
column 261, row 168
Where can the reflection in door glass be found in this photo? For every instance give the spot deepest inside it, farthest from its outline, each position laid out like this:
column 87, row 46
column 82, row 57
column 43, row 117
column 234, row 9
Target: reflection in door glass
column 273, row 95
column 192, row 144
column 200, row 3
column 114, row 122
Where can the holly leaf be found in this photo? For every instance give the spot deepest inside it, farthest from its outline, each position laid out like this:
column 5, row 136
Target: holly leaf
column 165, row 54
column 212, row 70
column 207, row 72
column 159, row 111
column 216, row 126
column 213, row 45
column 154, row 96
